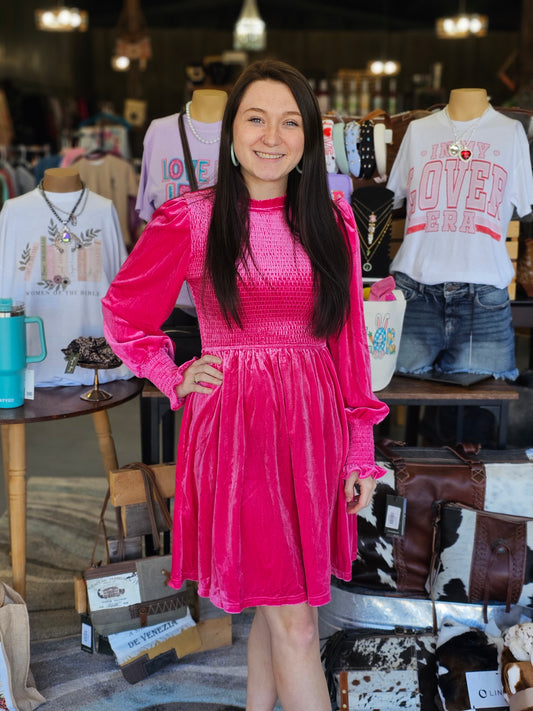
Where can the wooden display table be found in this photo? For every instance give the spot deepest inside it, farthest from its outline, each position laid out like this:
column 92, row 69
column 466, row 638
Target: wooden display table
column 157, row 419
column 417, row 393
column 51, row 404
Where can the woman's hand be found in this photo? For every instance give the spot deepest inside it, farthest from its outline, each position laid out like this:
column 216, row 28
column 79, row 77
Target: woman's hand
column 357, row 501
column 199, row 373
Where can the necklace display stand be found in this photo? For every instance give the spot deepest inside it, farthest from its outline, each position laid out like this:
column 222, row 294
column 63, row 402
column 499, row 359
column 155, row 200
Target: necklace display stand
column 372, row 208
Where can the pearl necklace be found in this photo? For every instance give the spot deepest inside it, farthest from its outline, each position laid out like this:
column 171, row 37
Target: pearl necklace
column 459, row 147
column 194, row 131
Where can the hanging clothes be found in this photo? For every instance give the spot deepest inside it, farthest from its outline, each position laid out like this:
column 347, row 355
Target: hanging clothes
column 105, row 132
column 114, row 178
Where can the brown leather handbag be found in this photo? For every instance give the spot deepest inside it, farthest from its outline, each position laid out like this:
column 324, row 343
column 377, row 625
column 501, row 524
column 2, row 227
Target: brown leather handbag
column 481, row 556
column 421, row 483
column 421, row 478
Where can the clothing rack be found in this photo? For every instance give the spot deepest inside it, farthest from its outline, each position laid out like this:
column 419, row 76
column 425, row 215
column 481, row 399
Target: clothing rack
column 105, row 132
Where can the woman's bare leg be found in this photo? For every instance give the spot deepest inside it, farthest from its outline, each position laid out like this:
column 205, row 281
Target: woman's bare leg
column 261, row 692
column 296, row 664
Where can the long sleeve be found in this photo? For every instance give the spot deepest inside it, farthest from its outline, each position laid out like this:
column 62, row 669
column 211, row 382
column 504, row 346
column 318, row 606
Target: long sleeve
column 143, row 295
column 352, row 361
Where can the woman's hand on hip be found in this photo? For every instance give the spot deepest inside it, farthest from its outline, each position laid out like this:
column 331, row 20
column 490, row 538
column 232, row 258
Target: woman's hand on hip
column 358, row 492
column 197, row 375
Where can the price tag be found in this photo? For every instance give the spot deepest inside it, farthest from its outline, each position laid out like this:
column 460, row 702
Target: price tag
column 395, row 515
column 87, row 635
column 72, row 362
column 29, row 384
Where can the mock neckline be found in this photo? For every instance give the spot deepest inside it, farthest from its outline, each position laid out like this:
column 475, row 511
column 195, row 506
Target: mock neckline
column 266, row 204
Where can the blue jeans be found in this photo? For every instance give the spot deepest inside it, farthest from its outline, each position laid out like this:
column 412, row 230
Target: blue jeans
column 456, row 328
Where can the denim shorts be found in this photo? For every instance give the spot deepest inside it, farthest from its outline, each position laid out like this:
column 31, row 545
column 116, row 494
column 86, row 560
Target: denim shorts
column 456, row 327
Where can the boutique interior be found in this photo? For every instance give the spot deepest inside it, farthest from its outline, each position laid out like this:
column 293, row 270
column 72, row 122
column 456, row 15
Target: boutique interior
column 111, row 109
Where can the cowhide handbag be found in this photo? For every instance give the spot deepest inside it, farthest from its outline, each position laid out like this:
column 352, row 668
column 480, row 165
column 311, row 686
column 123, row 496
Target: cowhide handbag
column 481, row 556
column 378, row 669
column 400, row 563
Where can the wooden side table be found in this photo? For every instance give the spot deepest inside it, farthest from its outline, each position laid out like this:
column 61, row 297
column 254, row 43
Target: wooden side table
column 51, row 404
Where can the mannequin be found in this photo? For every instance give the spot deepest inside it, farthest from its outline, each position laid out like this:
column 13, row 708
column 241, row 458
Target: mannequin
column 467, row 104
column 164, row 176
column 463, row 172
column 62, row 180
column 207, row 105
column 60, row 248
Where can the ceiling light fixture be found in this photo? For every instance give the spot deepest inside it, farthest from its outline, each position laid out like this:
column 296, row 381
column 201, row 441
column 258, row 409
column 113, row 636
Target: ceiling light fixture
column 387, row 67
column 250, row 30
column 132, row 42
column 462, row 25
column 62, row 19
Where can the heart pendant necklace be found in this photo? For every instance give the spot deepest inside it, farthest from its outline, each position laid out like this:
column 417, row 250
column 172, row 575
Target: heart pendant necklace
column 459, row 148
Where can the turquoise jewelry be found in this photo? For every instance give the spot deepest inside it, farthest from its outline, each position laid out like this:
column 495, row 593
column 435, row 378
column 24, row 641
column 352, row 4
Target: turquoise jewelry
column 233, row 156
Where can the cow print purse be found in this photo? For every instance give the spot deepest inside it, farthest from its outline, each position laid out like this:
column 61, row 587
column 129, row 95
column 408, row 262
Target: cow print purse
column 481, row 556
column 378, row 669
column 399, row 564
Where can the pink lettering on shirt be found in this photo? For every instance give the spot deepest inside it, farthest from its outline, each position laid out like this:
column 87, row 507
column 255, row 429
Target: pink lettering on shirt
column 476, row 198
column 428, row 196
column 499, row 181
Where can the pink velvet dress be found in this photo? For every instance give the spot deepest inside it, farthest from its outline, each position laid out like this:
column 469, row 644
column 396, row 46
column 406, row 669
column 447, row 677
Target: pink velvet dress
column 260, row 516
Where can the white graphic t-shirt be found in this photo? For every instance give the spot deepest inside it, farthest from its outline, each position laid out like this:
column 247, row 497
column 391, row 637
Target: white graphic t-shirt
column 458, row 212
column 63, row 283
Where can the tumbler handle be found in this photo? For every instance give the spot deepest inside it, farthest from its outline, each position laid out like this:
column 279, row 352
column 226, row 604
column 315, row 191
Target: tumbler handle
column 42, row 355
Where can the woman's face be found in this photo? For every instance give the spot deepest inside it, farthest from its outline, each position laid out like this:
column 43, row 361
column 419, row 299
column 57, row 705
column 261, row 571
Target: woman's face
column 268, row 138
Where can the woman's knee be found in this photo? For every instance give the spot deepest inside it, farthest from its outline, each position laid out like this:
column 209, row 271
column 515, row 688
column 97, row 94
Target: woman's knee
column 293, row 625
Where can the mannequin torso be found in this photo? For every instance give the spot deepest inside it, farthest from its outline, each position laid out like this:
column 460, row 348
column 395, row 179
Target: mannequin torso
column 467, row 104
column 207, row 105
column 62, row 180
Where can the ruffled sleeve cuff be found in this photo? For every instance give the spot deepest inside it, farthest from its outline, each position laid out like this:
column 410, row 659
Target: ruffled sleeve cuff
column 361, row 452
column 166, row 376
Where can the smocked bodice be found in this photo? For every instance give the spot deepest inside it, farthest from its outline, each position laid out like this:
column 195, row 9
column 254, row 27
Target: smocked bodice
column 275, row 287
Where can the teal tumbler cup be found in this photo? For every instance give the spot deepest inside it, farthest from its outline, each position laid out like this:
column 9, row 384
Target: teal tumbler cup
column 13, row 358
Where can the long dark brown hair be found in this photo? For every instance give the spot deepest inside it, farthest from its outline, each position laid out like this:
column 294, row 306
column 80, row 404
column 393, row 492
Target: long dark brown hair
column 310, row 212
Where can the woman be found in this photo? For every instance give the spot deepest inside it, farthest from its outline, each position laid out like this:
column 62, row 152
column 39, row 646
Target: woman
column 277, row 425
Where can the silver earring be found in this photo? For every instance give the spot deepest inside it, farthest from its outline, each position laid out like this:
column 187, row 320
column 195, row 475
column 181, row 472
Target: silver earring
column 233, row 156
column 299, row 168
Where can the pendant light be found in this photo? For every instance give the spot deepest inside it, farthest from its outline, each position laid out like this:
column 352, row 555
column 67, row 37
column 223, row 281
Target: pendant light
column 132, row 43
column 384, row 67
column 62, row 19
column 462, row 25
column 250, row 32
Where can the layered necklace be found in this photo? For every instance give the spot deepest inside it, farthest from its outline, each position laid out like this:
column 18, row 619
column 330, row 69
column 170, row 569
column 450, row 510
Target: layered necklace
column 194, row 131
column 372, row 226
column 459, row 148
column 64, row 235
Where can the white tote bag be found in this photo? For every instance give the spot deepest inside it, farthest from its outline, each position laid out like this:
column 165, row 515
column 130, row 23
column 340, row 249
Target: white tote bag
column 384, row 322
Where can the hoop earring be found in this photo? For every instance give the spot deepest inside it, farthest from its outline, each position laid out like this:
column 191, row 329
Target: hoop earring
column 233, row 156
column 299, row 168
